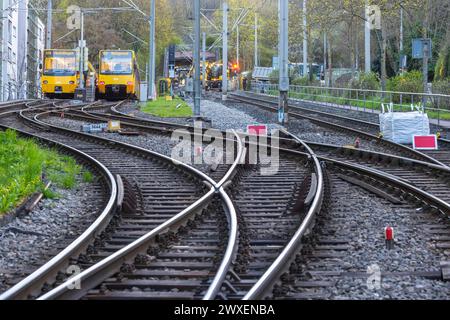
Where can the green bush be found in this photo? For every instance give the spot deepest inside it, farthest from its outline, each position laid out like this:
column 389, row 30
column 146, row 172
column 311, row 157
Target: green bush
column 366, row 81
column 304, row 81
column 274, row 76
column 442, row 87
column 408, row 82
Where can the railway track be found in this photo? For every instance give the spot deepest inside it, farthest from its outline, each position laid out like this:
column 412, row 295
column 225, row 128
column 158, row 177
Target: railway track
column 432, row 178
column 320, row 263
column 263, row 227
column 154, row 188
column 106, row 193
column 359, row 128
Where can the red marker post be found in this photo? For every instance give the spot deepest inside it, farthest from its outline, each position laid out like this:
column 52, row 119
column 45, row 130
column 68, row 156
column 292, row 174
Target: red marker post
column 390, row 238
column 258, row 130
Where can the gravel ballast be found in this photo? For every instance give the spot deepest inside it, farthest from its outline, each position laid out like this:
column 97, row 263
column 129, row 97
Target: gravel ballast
column 358, row 218
column 29, row 242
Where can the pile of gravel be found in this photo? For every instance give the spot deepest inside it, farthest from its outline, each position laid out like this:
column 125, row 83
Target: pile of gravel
column 28, row 242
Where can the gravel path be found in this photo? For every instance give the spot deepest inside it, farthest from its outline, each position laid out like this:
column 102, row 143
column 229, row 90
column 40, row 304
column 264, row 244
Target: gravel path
column 28, row 242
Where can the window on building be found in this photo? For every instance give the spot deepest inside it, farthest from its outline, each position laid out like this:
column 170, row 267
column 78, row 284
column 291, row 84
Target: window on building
column 15, row 32
column 10, row 31
column 9, row 54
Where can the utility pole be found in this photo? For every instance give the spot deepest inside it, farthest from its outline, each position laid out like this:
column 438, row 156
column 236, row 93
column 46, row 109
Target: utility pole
column 283, row 49
column 48, row 44
column 237, row 46
column 82, row 49
column 324, row 54
column 367, row 28
column 197, row 86
column 256, row 40
column 204, row 59
column 225, row 52
column 426, row 53
column 305, row 40
column 151, row 53
column 401, row 42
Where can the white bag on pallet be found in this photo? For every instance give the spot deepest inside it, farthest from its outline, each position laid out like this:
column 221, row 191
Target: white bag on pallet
column 400, row 127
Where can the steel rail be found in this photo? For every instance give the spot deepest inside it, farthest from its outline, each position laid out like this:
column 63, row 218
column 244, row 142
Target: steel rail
column 217, row 188
column 233, row 241
column 266, row 282
column 34, row 282
column 341, row 127
column 93, row 276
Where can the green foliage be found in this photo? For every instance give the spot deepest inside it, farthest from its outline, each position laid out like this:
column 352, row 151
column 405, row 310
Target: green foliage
column 366, row 81
column 443, row 65
column 408, row 82
column 442, row 86
column 49, row 194
column 22, row 163
column 88, row 177
column 304, row 81
column 168, row 109
column 274, row 76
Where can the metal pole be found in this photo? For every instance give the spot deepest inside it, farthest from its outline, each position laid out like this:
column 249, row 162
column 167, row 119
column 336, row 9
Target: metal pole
column 48, row 44
column 426, row 53
column 237, row 46
column 256, row 41
column 197, row 85
column 81, row 86
column 283, row 54
column 204, row 59
column 324, row 54
column 401, row 40
column 305, row 40
column 225, row 52
column 367, row 59
column 152, row 61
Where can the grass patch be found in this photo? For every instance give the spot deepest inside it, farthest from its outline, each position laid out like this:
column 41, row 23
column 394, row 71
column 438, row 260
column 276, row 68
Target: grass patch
column 88, row 177
column 168, row 109
column 22, row 165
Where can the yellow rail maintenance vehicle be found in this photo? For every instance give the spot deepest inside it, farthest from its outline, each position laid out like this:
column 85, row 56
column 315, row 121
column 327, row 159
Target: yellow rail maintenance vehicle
column 214, row 75
column 60, row 73
column 118, row 76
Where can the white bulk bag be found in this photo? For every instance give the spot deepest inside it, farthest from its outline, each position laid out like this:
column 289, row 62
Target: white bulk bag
column 400, row 127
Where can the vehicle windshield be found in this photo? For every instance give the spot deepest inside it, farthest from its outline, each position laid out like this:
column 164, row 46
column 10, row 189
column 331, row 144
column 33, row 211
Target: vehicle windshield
column 216, row 71
column 116, row 62
column 60, row 63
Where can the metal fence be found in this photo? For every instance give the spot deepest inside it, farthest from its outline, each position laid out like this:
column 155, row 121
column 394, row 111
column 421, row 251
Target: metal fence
column 437, row 105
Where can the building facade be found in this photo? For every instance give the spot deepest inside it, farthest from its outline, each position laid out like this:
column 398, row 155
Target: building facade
column 22, row 44
column 9, row 48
